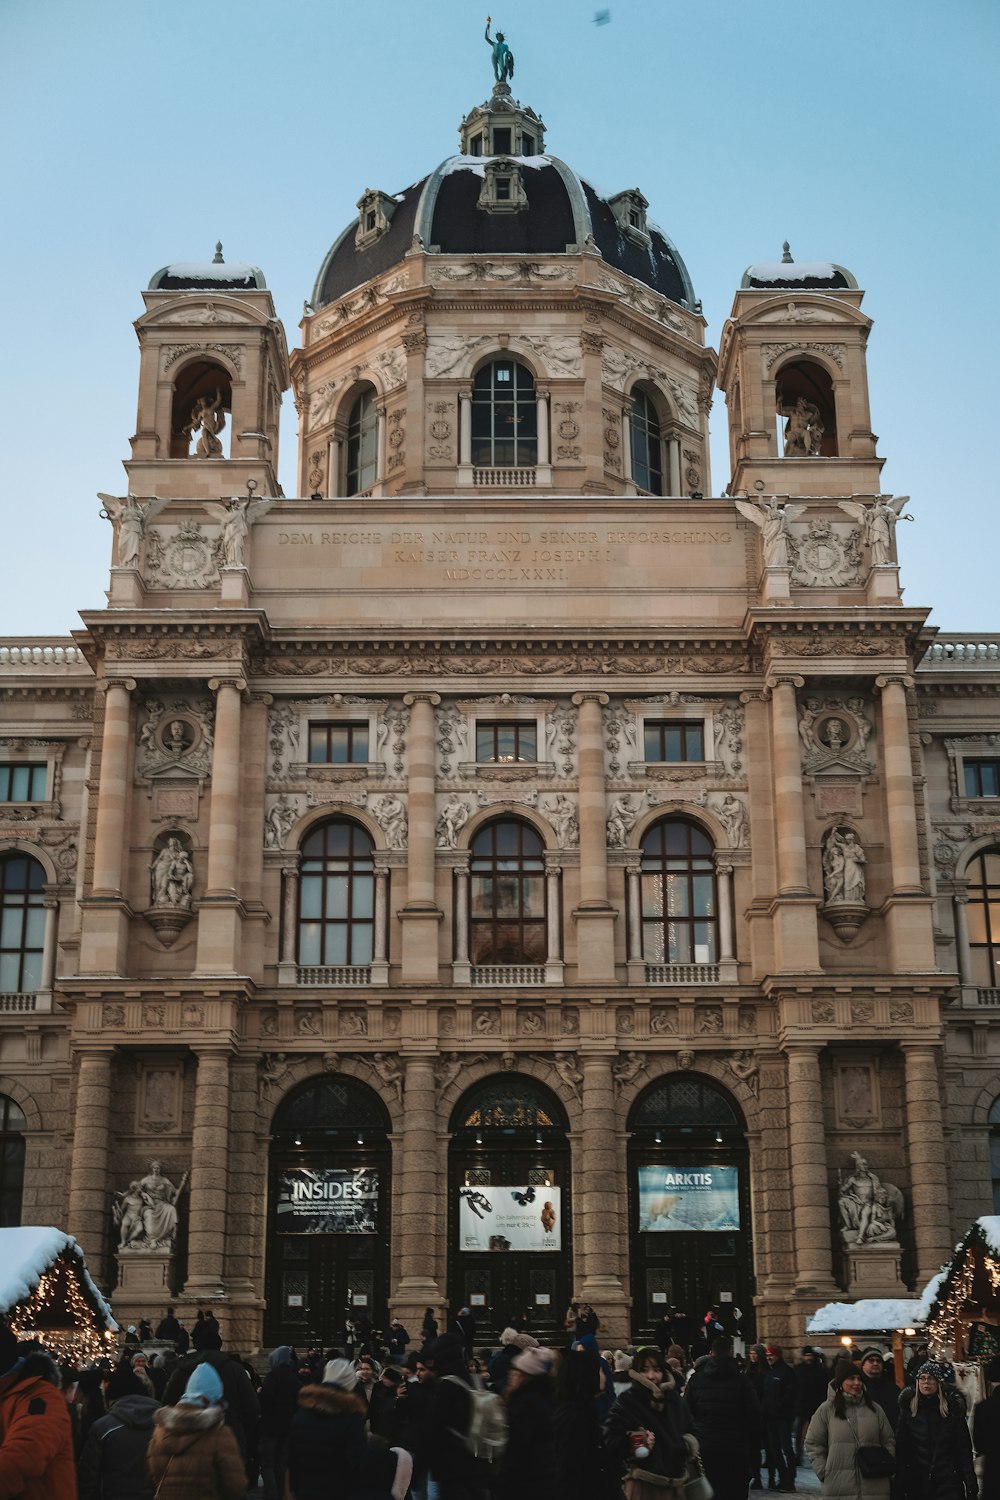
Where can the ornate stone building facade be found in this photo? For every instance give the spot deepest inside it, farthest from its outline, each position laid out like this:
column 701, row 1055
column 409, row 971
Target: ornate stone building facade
column 509, row 845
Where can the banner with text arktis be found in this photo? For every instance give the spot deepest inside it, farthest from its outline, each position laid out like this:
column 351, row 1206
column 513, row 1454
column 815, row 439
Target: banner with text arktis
column 689, row 1198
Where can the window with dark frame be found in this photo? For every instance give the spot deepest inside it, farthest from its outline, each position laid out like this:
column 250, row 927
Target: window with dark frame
column 338, row 744
column 647, row 444
column 507, row 895
column 982, row 914
column 994, row 1123
column 982, row 778
column 21, row 782
column 336, row 919
column 362, row 445
column 501, row 140
column 679, row 905
column 504, row 416
column 670, row 741
column 12, row 1147
column 22, row 923
column 506, row 741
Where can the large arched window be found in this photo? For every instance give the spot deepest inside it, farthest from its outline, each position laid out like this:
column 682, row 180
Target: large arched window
column 337, row 895
column 507, row 906
column 22, row 923
column 994, row 1122
column 362, row 444
column 983, row 915
column 679, row 907
column 647, row 444
column 504, row 416
column 12, row 1123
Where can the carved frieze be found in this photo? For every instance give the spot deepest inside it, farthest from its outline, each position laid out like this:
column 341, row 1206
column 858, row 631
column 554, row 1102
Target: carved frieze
column 834, row 734
column 176, row 736
column 773, row 352
column 825, row 554
column 182, row 557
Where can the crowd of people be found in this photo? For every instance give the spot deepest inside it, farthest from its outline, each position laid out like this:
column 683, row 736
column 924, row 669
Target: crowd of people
column 446, row 1421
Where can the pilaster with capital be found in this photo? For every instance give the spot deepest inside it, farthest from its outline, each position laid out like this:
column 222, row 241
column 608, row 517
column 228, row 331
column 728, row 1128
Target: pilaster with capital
column 598, row 1277
column 209, row 1175
column 908, row 910
column 105, row 913
column 421, row 914
column 88, row 1165
column 420, row 1199
column 796, row 942
column 219, row 908
column 553, row 889
column 810, row 1188
column 595, row 917
column 928, row 1161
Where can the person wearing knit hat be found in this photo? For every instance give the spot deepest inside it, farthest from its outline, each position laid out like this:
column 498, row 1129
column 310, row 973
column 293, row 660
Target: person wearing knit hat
column 527, row 1470
column 847, row 1420
column 986, row 1433
column 880, row 1383
column 511, row 1342
column 933, row 1446
column 192, row 1451
column 811, row 1379
column 327, row 1438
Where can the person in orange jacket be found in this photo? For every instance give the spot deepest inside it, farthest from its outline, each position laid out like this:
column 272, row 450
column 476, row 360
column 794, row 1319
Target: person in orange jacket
column 36, row 1434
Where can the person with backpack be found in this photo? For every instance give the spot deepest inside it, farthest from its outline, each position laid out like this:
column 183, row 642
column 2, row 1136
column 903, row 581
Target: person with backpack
column 460, row 1421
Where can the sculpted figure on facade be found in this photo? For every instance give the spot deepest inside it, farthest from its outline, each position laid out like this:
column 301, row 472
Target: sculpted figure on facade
column 804, row 430
column 503, row 57
column 626, row 1069
column 744, row 1066
column 208, row 418
column 452, row 819
column 566, row 1068
column 146, row 1213
column 172, row 876
column 772, row 521
column 389, row 1073
column 869, row 1209
column 835, row 732
column 562, row 814
column 879, row 523
column 844, row 862
column 621, row 818
column 277, row 822
column 729, row 724
column 129, row 517
column 735, row 820
column 390, row 814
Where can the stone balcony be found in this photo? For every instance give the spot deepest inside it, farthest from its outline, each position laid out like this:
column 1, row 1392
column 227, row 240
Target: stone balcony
column 961, row 652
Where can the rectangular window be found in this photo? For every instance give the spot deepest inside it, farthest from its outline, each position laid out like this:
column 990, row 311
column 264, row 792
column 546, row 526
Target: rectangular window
column 502, row 186
column 338, row 744
column 506, row 742
column 22, row 783
column 527, row 144
column 672, row 742
column 477, row 145
column 982, row 778
column 501, row 140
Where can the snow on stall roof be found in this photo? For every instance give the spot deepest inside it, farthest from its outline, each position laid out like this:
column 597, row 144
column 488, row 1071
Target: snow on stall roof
column 27, row 1252
column 796, row 270
column 869, row 1315
column 990, row 1227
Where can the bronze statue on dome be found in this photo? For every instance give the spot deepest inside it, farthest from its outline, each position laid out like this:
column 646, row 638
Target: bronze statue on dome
column 503, row 57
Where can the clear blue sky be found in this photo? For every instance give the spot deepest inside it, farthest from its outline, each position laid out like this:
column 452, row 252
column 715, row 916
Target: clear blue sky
column 139, row 132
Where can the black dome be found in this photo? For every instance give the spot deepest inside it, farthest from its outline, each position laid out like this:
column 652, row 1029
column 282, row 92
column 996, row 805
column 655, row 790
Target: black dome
column 564, row 215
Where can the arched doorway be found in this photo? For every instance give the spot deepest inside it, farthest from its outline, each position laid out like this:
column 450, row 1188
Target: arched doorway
column 328, row 1213
column 509, row 1206
column 689, row 1206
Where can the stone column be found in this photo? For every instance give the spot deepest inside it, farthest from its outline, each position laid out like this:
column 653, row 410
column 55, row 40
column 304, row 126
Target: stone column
column 595, row 917
column 724, row 892
column 597, row 1273
column 381, row 428
column 962, row 954
column 809, row 1207
column 419, row 1198
column 899, row 795
column 290, row 911
column 465, row 431
column 553, row 890
column 209, row 1175
column 421, row 914
column 113, row 800
column 928, row 1163
column 627, row 444
column 636, row 962
column 48, row 974
column 219, row 907
column 380, row 957
column 89, row 1187
column 796, row 942
column 542, row 415
column 674, row 466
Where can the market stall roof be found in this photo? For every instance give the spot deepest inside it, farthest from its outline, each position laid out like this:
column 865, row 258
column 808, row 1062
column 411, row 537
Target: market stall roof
column 968, row 1287
column 29, row 1252
column 869, row 1315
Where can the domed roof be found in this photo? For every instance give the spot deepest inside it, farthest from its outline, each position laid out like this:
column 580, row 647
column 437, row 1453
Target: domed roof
column 209, row 276
column 563, row 215
column 801, row 275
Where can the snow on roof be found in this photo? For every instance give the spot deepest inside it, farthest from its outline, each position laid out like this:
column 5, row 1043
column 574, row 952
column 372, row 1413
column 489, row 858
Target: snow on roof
column 197, row 270
column 27, row 1252
column 795, row 270
column 869, row 1315
column 990, row 1227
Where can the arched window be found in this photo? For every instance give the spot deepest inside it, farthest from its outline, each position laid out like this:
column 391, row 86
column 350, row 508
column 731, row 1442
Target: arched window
column 203, row 395
column 684, row 1104
column 507, row 905
column 807, row 416
column 679, row 907
column 504, row 416
column 647, row 444
column 22, row 923
column 12, row 1122
column 362, row 444
column 994, row 1122
column 337, row 895
column 983, row 915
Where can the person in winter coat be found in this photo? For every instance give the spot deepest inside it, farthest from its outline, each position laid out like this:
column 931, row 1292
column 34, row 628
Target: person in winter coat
column 880, row 1385
column 811, row 1380
column 326, row 1444
column 580, row 1469
column 756, row 1369
column 36, row 1434
column 386, row 1474
column 606, row 1393
column 726, row 1417
column 429, row 1327
column 113, row 1462
column 986, row 1432
column 649, row 1430
column 170, row 1328
column 279, row 1400
column 847, row 1420
column 241, row 1409
column 397, row 1339
column 777, row 1399
column 527, row 1469
column 192, row 1451
column 511, row 1344
column 440, row 1447
column 933, row 1446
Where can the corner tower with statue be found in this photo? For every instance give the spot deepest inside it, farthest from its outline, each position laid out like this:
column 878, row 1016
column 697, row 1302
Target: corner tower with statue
column 510, row 871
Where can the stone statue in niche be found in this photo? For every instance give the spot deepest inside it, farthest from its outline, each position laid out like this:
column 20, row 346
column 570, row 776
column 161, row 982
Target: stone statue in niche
column 621, row 818
column 277, row 822
column 209, row 418
column 735, row 820
column 454, row 816
column 771, row 519
column 804, row 430
column 844, row 862
column 391, row 816
column 146, row 1213
column 879, row 523
column 172, row 876
column 562, row 815
column 869, row 1209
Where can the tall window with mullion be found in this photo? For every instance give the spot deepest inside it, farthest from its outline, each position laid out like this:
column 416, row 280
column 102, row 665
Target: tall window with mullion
column 506, row 741
column 647, row 444
column 507, row 884
column 982, row 778
column 362, row 444
column 22, row 783
column 504, row 416
column 12, row 1123
column 337, row 896
column 679, row 906
column 669, row 742
column 338, row 744
column 22, row 923
column 982, row 914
